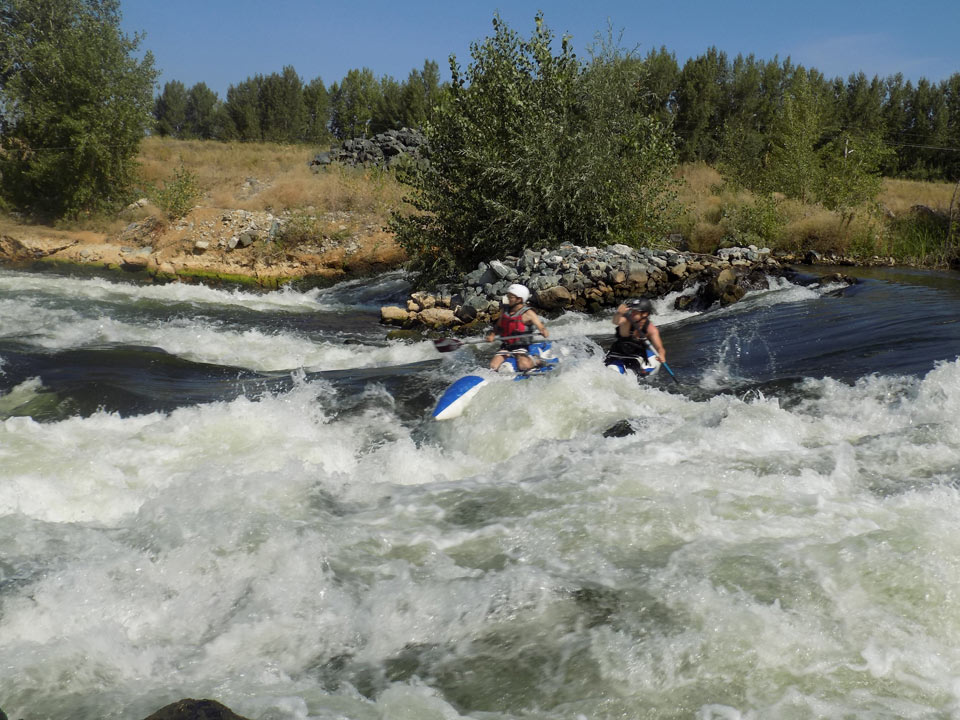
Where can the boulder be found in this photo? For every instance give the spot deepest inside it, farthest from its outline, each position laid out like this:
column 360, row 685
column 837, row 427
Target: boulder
column 554, row 298
column 195, row 710
column 393, row 315
column 723, row 288
column 437, row 317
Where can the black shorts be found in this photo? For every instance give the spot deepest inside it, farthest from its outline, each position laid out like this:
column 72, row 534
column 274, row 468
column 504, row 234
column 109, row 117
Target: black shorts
column 514, row 350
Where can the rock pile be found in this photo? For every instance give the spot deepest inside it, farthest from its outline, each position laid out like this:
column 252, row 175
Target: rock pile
column 234, row 229
column 588, row 279
column 382, row 150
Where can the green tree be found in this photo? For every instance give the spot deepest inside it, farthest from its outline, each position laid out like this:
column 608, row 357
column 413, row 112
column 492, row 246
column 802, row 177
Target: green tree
column 862, row 111
column 352, row 104
column 170, row 109
column 74, row 105
column 743, row 142
column 388, row 112
column 420, row 94
column 895, row 120
column 851, row 166
column 241, row 107
column 533, row 148
column 794, row 165
column 701, row 100
column 926, row 131
column 202, row 113
column 280, row 106
column 657, row 86
column 316, row 112
column 952, row 159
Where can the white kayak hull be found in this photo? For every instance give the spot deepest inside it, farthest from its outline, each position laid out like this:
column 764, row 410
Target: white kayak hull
column 649, row 367
column 458, row 396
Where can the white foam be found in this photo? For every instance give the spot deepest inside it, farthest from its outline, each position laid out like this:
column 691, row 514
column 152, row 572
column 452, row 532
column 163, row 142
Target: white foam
column 745, row 556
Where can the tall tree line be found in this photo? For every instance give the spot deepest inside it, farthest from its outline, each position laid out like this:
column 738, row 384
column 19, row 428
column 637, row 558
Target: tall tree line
column 722, row 111
column 731, row 112
column 281, row 107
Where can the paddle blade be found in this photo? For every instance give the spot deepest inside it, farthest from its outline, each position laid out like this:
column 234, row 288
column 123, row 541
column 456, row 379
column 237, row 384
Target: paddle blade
column 671, row 373
column 447, row 344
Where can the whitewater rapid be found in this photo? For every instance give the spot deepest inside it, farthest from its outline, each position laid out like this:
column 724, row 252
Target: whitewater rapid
column 758, row 547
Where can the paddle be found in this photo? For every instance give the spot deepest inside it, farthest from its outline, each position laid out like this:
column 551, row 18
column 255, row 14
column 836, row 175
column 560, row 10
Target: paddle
column 449, row 344
column 667, row 367
column 662, row 362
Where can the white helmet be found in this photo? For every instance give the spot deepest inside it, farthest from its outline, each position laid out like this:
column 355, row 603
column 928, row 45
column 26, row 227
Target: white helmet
column 520, row 291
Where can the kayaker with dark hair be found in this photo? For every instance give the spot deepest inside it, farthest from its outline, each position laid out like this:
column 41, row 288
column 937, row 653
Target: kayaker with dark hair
column 516, row 319
column 634, row 331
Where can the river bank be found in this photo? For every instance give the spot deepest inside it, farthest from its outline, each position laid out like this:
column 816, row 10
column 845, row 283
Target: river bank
column 213, row 246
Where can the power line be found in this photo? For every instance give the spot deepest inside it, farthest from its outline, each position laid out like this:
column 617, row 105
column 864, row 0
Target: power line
column 926, row 147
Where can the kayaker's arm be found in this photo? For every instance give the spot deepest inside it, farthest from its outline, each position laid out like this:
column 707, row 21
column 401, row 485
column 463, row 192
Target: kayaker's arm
column 653, row 335
column 537, row 323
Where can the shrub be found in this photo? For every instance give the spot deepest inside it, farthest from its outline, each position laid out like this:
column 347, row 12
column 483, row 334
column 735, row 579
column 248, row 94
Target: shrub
column 300, row 228
column 920, row 237
column 178, row 196
column 532, row 149
column 753, row 223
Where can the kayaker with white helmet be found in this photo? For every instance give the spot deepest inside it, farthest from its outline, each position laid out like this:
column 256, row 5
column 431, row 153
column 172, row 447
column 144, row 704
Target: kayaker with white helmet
column 516, row 319
column 634, row 330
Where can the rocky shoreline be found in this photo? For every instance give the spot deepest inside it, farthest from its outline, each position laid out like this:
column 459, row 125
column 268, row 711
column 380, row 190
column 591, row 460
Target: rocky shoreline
column 215, row 246
column 588, row 279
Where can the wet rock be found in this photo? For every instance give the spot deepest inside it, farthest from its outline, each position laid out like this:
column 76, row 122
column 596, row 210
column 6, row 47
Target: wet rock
column 721, row 288
column 195, row 710
column 620, row 429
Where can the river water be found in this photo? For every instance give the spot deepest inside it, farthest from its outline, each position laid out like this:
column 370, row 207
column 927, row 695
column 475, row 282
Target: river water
column 218, row 494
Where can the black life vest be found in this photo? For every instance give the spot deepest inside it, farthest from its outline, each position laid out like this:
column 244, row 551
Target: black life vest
column 633, row 346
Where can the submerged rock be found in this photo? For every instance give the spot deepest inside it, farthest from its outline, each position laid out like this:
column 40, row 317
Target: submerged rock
column 195, row 710
column 620, row 429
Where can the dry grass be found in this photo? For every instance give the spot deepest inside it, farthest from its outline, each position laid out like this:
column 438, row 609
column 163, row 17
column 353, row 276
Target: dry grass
column 266, row 176
column 899, row 196
column 717, row 214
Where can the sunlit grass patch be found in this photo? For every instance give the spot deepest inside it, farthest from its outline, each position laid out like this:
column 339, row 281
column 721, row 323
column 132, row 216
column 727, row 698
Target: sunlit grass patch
column 899, row 196
column 268, row 176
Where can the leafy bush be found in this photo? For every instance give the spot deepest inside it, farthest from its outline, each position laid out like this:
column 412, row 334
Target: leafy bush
column 531, row 149
column 300, row 228
column 178, row 196
column 921, row 237
column 756, row 223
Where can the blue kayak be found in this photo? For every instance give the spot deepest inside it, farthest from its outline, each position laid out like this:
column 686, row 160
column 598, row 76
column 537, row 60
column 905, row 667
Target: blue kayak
column 457, row 397
column 641, row 367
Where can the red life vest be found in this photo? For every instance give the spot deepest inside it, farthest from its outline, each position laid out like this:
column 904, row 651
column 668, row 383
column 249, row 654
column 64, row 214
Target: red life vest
column 512, row 324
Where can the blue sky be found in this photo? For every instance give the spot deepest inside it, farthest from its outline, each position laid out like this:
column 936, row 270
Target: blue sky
column 223, row 42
